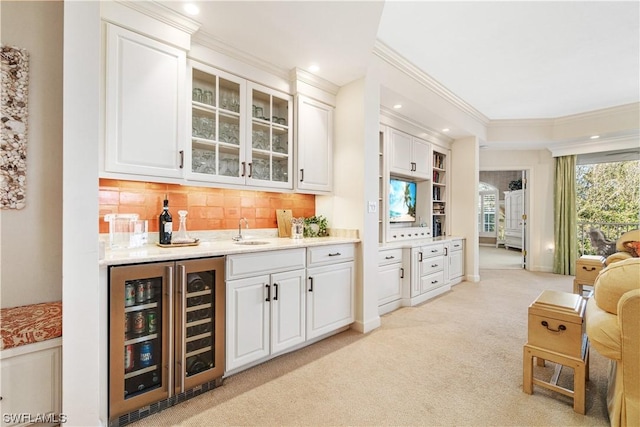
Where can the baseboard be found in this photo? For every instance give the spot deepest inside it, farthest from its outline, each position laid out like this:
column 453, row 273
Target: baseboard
column 365, row 327
column 472, row 278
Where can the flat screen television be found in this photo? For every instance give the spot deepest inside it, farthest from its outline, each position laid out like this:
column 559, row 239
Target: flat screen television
column 402, row 200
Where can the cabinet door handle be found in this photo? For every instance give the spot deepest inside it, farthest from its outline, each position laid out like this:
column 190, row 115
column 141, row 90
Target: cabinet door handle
column 275, row 292
column 268, row 293
column 401, row 272
column 446, row 251
column 250, row 170
column 336, row 254
column 301, row 175
column 389, row 257
column 419, row 256
column 181, row 159
column 244, row 168
column 310, row 284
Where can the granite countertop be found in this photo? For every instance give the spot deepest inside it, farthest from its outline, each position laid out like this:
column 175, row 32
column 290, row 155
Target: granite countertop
column 217, row 244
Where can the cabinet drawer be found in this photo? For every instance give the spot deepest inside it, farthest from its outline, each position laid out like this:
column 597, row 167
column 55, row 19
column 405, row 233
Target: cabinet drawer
column 432, row 281
column 456, row 245
column 322, row 255
column 432, row 250
column 431, row 265
column 253, row 264
column 389, row 256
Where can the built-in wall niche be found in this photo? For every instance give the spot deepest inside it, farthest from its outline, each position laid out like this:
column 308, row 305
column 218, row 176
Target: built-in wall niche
column 408, row 204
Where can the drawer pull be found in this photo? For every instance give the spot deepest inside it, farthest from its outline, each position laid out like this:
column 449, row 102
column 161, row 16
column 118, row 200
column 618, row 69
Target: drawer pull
column 433, row 251
column 434, row 265
column 560, row 327
column 433, row 282
column 336, row 254
column 584, row 267
column 389, row 257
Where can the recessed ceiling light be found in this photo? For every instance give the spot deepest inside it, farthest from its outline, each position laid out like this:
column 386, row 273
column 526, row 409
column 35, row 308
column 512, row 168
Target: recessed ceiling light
column 446, row 130
column 594, row 136
column 191, row 8
column 313, row 68
column 397, row 106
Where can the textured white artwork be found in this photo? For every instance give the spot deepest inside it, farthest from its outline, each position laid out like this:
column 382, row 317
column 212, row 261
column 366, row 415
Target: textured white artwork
column 13, row 133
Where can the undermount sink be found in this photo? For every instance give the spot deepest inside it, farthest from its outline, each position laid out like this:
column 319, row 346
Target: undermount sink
column 251, row 242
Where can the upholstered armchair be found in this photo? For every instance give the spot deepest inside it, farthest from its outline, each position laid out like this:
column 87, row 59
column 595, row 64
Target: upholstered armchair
column 627, row 246
column 613, row 327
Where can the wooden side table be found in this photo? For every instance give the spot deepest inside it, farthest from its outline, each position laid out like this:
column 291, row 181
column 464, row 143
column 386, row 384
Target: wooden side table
column 587, row 269
column 556, row 333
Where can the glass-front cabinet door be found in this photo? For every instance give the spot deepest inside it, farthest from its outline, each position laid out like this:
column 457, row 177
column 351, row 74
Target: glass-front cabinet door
column 270, row 138
column 140, row 325
column 200, row 322
column 217, row 127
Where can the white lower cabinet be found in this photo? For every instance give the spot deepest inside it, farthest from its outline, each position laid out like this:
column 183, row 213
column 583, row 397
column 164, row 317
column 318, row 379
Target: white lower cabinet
column 330, row 288
column 429, row 272
column 266, row 312
column 275, row 305
column 456, row 261
column 391, row 274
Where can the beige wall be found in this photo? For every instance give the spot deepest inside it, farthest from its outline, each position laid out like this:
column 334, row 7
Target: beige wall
column 31, row 239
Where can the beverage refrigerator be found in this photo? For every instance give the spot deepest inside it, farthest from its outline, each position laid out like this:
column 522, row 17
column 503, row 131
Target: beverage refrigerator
column 166, row 334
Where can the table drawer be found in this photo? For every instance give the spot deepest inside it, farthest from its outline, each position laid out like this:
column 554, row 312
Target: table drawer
column 588, row 267
column 432, row 250
column 556, row 335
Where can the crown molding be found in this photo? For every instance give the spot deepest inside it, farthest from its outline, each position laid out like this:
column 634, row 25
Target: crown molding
column 313, row 80
column 601, row 113
column 621, row 142
column 397, row 61
column 163, row 14
column 209, row 41
column 394, row 115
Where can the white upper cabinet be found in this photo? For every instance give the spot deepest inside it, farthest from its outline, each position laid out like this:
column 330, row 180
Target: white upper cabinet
column 269, row 134
column 144, row 122
column 409, row 156
column 240, row 131
column 217, row 101
column 314, row 143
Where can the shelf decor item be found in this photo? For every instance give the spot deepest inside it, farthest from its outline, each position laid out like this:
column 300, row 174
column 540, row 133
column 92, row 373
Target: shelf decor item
column 315, row 226
column 14, row 63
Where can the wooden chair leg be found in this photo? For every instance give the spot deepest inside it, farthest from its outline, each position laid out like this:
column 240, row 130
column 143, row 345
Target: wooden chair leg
column 527, row 378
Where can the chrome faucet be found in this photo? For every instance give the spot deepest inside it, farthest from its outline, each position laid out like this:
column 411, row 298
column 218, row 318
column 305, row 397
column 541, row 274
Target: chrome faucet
column 246, row 225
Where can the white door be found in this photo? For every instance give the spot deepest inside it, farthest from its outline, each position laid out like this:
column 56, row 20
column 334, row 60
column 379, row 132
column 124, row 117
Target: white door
column 421, row 159
column 288, row 309
column 314, row 143
column 400, row 153
column 145, row 82
column 247, row 321
column 330, row 298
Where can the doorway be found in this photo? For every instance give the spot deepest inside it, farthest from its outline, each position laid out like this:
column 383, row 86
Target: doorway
column 502, row 219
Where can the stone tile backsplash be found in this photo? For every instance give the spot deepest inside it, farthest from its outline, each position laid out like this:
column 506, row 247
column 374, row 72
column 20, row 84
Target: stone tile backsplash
column 209, row 208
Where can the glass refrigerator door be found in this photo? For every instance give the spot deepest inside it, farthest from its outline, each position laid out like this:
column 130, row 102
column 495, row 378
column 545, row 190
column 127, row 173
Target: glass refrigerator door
column 200, row 328
column 139, row 369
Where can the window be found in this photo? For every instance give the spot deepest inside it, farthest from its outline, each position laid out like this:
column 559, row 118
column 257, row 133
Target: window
column 487, row 210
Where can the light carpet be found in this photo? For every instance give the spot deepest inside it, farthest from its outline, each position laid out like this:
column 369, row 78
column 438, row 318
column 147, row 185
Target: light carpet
column 454, row 360
column 493, row 258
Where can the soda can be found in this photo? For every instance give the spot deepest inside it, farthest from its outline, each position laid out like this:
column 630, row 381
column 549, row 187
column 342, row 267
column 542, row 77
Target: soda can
column 146, row 354
column 127, row 322
column 128, row 358
column 140, row 293
column 129, row 294
column 148, row 290
column 139, row 322
column 152, row 326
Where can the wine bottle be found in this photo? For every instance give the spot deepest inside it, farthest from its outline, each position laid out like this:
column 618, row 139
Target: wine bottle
column 165, row 224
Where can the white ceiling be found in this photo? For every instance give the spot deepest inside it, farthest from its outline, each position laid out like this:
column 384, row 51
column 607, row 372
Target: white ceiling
column 507, row 59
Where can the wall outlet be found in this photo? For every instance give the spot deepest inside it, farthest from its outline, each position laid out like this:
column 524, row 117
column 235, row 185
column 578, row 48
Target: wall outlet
column 372, row 207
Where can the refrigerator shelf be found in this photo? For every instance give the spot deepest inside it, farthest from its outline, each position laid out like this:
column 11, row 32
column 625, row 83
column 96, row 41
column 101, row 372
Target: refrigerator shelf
column 140, row 372
column 139, row 307
column 198, row 351
column 198, row 307
column 140, row 339
column 200, row 336
column 199, row 293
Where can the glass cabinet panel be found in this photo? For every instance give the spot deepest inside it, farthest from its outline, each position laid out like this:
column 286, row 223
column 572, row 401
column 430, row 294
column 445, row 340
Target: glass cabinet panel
column 216, row 126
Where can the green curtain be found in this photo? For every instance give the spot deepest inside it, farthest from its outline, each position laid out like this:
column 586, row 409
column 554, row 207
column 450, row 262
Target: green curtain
column 564, row 209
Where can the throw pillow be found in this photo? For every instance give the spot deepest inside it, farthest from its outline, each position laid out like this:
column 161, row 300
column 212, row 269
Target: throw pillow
column 633, row 248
